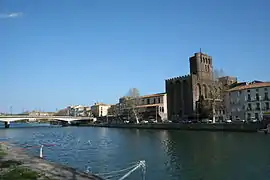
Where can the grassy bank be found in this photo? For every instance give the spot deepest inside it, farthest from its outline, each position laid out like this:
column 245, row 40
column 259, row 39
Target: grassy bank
column 14, row 170
column 16, row 164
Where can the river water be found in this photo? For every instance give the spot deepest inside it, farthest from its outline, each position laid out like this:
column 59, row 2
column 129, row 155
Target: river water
column 169, row 155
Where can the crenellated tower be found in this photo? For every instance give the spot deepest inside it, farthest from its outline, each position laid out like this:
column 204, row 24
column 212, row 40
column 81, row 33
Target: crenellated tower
column 201, row 65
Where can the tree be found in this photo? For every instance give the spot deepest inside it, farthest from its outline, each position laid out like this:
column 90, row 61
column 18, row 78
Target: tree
column 114, row 110
column 217, row 94
column 62, row 112
column 131, row 102
column 218, row 73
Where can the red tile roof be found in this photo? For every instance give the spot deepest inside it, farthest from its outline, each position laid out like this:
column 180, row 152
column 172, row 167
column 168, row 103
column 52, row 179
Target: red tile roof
column 250, row 86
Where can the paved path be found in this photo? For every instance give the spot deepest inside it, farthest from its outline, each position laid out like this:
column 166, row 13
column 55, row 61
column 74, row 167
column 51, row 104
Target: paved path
column 49, row 169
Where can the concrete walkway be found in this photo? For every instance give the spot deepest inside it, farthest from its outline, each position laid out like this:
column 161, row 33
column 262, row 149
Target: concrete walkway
column 50, row 170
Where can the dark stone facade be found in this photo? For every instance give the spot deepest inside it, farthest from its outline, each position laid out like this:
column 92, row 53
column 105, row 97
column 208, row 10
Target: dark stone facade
column 184, row 92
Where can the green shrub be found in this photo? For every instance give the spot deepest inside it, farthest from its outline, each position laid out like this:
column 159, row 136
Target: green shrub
column 9, row 163
column 20, row 173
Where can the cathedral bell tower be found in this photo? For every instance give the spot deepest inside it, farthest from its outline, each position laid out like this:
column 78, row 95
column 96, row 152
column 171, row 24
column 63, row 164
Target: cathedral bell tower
column 201, row 65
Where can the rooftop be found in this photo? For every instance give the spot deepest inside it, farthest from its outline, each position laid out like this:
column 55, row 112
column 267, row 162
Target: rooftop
column 144, row 96
column 250, row 86
column 153, row 95
column 101, row 104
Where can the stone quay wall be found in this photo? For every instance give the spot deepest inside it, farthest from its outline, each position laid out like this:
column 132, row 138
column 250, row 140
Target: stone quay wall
column 241, row 127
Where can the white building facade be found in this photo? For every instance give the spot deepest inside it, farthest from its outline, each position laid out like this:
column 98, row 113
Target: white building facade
column 249, row 101
column 152, row 106
column 100, row 109
column 78, row 110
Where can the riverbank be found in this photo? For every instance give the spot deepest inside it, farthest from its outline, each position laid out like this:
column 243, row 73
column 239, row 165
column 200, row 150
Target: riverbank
column 17, row 164
column 241, row 127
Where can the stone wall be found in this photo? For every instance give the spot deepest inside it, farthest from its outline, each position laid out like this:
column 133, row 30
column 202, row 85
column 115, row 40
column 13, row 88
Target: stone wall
column 241, row 127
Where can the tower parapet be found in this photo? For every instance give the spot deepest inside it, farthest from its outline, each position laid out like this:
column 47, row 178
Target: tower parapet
column 179, row 78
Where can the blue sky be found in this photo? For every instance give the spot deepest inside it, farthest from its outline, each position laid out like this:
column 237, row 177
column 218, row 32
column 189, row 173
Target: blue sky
column 57, row 53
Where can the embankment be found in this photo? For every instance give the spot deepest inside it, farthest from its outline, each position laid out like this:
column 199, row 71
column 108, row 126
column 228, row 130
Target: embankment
column 17, row 164
column 241, row 127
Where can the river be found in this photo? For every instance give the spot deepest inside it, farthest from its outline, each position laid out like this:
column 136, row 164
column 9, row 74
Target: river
column 169, row 155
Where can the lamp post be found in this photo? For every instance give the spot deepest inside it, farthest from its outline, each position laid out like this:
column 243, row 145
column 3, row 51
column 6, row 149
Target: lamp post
column 156, row 112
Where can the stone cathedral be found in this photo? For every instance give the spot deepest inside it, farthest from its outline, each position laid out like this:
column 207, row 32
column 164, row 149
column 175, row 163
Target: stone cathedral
column 184, row 92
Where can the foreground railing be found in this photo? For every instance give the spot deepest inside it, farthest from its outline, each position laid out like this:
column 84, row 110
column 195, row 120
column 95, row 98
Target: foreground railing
column 122, row 174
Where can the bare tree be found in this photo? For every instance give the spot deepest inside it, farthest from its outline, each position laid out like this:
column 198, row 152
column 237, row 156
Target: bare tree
column 113, row 110
column 217, row 94
column 218, row 73
column 131, row 103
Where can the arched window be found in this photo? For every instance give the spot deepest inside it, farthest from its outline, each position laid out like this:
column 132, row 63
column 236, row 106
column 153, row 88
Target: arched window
column 198, row 91
column 205, row 92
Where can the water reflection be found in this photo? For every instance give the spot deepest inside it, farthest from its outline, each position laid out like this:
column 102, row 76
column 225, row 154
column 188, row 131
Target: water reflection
column 169, row 154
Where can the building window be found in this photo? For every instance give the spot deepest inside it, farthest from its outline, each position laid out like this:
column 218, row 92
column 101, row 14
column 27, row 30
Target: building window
column 238, row 93
column 158, row 100
column 249, row 106
column 154, row 101
column 248, row 90
column 257, row 97
column 257, row 90
column 265, row 89
column 266, row 96
column 249, row 97
column 148, row 101
column 267, row 106
column 257, row 106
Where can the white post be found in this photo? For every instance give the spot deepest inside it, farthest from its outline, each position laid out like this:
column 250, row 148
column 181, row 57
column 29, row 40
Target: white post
column 41, row 152
column 214, row 112
column 135, row 113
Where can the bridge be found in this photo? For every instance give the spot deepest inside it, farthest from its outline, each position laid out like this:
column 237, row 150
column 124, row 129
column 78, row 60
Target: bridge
column 67, row 119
